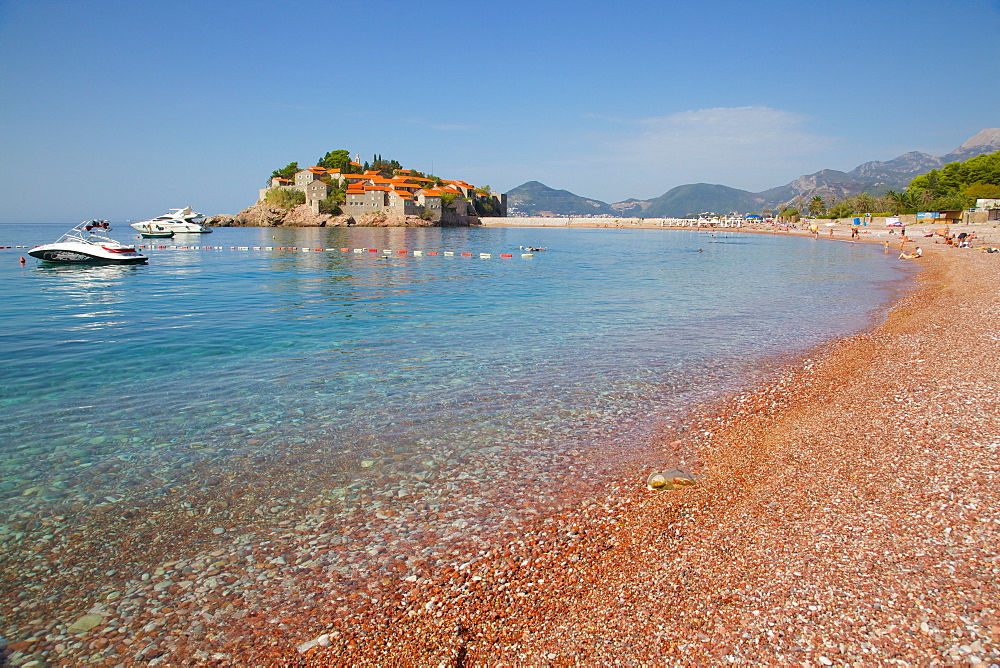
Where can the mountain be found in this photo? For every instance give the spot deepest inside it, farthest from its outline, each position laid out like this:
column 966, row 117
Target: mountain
column 537, row 199
column 696, row 198
column 986, row 141
column 830, row 184
column 875, row 177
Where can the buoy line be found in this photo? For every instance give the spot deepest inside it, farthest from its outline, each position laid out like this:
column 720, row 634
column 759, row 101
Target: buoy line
column 384, row 253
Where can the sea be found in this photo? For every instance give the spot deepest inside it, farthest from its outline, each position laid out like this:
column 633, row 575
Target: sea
column 246, row 379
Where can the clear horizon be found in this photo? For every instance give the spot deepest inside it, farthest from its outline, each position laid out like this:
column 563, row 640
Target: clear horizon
column 122, row 110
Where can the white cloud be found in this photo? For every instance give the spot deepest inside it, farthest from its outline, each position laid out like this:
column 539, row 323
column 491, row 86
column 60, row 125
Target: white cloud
column 744, row 144
column 753, row 148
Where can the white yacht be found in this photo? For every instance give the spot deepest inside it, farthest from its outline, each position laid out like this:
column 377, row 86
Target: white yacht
column 88, row 243
column 179, row 221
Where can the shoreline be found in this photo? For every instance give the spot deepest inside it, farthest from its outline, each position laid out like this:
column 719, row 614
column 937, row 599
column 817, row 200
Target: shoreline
column 846, row 515
column 629, row 574
column 987, row 233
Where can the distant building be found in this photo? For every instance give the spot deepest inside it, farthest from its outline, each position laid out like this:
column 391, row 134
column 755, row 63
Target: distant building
column 405, row 194
column 991, row 207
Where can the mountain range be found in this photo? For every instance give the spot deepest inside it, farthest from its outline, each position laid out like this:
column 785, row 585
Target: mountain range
column 876, row 177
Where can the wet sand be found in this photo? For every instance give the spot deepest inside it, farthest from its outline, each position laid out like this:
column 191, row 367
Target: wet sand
column 843, row 513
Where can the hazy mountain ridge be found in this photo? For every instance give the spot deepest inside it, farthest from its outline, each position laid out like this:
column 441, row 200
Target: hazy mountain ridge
column 537, row 199
column 875, row 177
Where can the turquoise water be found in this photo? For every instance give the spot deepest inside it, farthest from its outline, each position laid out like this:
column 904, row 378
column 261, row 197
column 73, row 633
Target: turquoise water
column 477, row 390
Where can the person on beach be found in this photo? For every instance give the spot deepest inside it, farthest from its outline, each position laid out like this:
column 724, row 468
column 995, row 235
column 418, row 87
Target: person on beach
column 913, row 256
column 886, row 246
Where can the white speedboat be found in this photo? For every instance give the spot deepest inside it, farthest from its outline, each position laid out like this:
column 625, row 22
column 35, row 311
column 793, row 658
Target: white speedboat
column 179, row 221
column 88, row 243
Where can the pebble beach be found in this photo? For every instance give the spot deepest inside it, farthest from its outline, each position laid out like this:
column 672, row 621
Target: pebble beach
column 843, row 513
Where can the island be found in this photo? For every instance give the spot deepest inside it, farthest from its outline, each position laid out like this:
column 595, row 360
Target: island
column 340, row 192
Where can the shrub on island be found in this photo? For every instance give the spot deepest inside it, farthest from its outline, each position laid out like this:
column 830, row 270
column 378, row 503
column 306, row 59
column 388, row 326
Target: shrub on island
column 284, row 198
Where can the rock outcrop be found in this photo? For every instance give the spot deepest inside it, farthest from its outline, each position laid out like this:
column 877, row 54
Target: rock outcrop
column 261, row 215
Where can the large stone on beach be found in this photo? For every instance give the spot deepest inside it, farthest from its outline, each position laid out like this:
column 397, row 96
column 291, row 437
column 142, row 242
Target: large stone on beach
column 86, row 623
column 658, row 481
column 671, row 479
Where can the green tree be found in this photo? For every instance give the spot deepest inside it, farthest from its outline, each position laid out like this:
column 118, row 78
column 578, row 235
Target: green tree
column 286, row 172
column 339, row 159
column 982, row 191
column 386, row 168
column 484, row 206
column 842, row 209
column 901, row 202
column 982, row 169
column 789, row 213
column 330, row 205
column 817, row 207
column 864, row 203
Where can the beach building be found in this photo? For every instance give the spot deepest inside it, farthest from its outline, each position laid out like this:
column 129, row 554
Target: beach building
column 990, row 207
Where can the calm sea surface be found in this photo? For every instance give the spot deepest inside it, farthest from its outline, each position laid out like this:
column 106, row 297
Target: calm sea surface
column 457, row 392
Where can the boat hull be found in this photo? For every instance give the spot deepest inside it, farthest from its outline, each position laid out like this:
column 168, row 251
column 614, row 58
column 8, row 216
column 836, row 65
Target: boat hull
column 67, row 255
column 169, row 226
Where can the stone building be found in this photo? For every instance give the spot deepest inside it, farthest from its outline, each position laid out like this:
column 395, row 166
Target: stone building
column 405, row 194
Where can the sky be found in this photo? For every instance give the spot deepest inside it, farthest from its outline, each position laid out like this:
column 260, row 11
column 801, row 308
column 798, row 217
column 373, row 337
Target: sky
column 124, row 109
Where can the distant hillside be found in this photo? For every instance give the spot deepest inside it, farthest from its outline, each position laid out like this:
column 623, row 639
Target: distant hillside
column 537, row 199
column 690, row 200
column 875, row 178
column 830, row 184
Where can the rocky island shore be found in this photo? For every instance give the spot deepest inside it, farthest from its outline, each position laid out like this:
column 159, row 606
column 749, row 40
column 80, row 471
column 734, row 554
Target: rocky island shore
column 262, row 215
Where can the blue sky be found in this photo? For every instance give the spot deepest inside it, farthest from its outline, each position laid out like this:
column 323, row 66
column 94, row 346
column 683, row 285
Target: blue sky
column 122, row 109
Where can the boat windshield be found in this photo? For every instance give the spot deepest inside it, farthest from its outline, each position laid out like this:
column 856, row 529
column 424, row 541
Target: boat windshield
column 89, row 231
